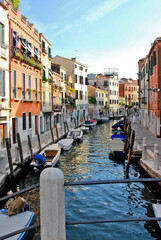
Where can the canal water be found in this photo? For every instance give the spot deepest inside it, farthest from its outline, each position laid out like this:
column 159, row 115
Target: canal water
column 90, row 160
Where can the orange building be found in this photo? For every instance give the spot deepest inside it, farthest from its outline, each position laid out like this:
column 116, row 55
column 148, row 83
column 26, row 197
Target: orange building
column 24, row 76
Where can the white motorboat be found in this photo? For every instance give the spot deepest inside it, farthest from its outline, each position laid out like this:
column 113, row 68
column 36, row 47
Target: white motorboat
column 84, row 129
column 105, row 119
column 48, row 157
column 65, row 144
column 76, row 134
column 157, row 210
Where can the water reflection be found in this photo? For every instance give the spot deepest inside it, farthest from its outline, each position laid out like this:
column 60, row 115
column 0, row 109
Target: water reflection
column 90, row 160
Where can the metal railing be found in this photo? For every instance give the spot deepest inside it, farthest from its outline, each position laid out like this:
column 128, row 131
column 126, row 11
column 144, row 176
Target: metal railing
column 109, row 181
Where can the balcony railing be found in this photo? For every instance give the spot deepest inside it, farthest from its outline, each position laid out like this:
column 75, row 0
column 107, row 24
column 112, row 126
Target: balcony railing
column 23, row 18
column 29, row 24
column 144, row 100
column 36, row 31
column 22, row 56
column 57, row 108
column 44, row 51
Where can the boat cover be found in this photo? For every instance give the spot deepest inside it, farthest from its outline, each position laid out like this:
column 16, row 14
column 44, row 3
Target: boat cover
column 14, row 223
column 121, row 136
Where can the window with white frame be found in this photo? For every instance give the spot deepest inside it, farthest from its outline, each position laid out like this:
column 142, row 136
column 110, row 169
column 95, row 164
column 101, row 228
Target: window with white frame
column 29, row 87
column 2, row 83
column 14, row 89
column 1, row 33
column 23, row 85
column 36, row 88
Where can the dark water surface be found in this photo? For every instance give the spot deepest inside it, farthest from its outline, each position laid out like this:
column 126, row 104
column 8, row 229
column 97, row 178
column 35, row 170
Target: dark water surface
column 89, row 160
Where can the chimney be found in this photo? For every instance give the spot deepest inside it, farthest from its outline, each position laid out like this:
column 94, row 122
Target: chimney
column 73, row 59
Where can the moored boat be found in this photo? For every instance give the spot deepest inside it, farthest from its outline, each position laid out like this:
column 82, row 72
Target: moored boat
column 93, row 121
column 156, row 205
column 15, row 222
column 120, row 136
column 116, row 147
column 75, row 134
column 48, row 157
column 84, row 129
column 65, row 144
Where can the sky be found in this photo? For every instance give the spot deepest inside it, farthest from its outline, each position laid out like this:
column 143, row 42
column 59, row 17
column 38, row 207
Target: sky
column 100, row 33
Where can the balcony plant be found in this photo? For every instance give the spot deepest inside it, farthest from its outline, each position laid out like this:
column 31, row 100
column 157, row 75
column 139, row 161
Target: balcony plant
column 92, row 100
column 28, row 89
column 20, row 88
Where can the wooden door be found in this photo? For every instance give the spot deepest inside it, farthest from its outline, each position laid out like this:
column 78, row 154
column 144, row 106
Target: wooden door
column 2, row 134
column 14, row 130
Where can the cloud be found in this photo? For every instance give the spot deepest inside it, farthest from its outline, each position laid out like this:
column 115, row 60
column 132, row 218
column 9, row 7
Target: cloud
column 103, row 10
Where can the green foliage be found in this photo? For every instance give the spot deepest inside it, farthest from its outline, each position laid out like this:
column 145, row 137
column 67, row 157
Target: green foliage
column 92, row 100
column 106, row 106
column 15, row 3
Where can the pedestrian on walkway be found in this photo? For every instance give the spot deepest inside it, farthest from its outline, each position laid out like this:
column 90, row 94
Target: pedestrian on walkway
column 133, row 119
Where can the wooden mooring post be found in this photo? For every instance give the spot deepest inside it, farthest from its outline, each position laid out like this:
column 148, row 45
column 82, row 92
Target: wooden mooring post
column 57, row 134
column 30, row 146
column 75, row 122
column 38, row 140
column 132, row 138
column 52, row 135
column 127, row 139
column 20, row 148
column 8, row 147
column 65, row 130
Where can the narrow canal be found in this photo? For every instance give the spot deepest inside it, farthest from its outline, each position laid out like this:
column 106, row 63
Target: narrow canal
column 90, row 160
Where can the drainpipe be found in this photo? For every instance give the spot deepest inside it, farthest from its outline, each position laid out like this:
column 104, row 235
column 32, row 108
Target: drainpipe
column 10, row 71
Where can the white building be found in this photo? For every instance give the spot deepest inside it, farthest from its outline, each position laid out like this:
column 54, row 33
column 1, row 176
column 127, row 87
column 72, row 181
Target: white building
column 46, row 111
column 78, row 72
column 110, row 84
column 4, row 73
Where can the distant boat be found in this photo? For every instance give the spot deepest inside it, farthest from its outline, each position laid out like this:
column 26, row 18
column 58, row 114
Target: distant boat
column 16, row 222
column 93, row 121
column 65, row 144
column 116, row 147
column 99, row 121
column 105, row 119
column 88, row 124
column 84, row 129
column 48, row 157
column 118, row 125
column 76, row 134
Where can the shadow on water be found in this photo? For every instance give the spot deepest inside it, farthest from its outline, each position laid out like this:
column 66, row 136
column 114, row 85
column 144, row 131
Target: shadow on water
column 90, row 160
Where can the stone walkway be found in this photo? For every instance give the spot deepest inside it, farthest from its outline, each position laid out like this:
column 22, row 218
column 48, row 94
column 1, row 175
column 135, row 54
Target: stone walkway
column 140, row 132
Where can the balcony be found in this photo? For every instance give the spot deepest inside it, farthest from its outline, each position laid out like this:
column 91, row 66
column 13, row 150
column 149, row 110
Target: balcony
column 22, row 56
column 3, row 50
column 144, row 100
column 23, row 18
column 44, row 51
column 57, row 108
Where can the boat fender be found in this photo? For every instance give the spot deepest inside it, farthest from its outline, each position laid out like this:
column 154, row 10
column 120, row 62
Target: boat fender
column 40, row 158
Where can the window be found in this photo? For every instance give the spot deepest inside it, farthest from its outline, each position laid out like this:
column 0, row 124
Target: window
column 80, row 68
column 155, row 57
column 2, row 83
column 49, row 98
column 23, row 85
column 102, row 94
column 81, row 95
column 30, row 119
column 1, row 33
column 29, row 53
column 24, row 121
column 29, row 87
column 49, row 52
column 23, row 44
column 86, row 81
column 85, row 70
column 62, row 75
column 75, row 66
column 14, row 89
column 43, row 46
column 43, row 97
column 36, row 53
column 75, row 78
column 81, row 79
column 14, row 38
column 36, row 88
column 96, row 94
column 76, row 94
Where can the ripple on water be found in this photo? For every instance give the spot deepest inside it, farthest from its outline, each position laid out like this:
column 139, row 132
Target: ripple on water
column 89, row 160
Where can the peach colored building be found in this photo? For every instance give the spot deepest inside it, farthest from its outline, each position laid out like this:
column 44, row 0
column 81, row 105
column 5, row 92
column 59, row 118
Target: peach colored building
column 24, row 76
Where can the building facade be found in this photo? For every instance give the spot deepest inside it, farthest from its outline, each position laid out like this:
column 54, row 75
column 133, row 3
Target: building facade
column 78, row 73
column 25, row 76
column 4, row 73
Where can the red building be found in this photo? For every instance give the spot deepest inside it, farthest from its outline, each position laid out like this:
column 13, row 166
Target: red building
column 154, row 87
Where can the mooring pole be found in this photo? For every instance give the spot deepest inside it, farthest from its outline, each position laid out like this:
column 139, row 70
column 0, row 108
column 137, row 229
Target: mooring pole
column 52, row 204
column 52, row 135
column 8, row 146
column 30, row 146
column 38, row 140
column 20, row 148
